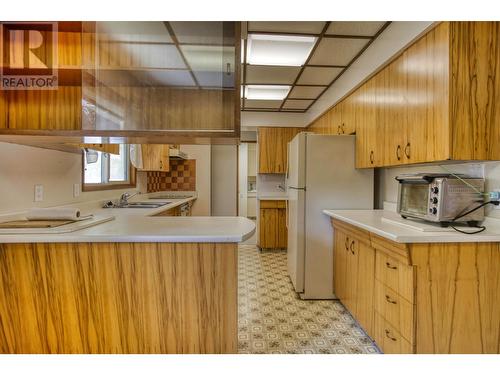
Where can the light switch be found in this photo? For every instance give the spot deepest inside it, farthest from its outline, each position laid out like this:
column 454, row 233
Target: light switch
column 38, row 193
column 76, row 190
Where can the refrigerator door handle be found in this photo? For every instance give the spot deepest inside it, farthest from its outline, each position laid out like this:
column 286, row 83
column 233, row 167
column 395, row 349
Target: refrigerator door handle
column 296, row 188
column 286, row 213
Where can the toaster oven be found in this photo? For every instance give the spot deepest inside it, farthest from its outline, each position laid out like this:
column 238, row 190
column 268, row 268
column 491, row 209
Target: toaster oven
column 440, row 198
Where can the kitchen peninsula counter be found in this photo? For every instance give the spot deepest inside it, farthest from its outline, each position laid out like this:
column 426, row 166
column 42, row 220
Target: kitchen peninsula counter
column 136, row 284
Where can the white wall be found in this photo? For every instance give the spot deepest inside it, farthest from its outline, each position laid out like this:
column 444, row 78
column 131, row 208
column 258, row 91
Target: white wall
column 387, row 186
column 224, row 180
column 21, row 167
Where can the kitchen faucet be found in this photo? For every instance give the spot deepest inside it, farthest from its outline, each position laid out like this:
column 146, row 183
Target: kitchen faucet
column 125, row 197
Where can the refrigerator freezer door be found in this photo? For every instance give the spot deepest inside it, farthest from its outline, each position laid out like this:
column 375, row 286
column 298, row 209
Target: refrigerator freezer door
column 296, row 238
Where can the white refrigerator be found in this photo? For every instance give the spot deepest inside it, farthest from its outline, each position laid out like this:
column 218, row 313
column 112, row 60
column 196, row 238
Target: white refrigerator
column 321, row 175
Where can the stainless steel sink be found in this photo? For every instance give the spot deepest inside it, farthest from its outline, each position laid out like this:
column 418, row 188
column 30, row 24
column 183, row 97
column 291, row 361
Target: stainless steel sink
column 143, row 205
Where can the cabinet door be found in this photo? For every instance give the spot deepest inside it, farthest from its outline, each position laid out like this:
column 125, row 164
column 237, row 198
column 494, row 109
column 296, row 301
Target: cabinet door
column 348, row 125
column 350, row 300
column 365, row 286
column 282, row 234
column 155, row 158
column 393, row 106
column 369, row 137
column 273, row 148
column 341, row 248
column 267, row 225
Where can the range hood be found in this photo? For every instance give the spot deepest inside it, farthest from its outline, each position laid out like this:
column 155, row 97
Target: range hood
column 175, row 153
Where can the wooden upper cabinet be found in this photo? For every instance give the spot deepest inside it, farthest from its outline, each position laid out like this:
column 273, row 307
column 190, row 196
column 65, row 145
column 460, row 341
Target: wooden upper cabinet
column 155, row 158
column 436, row 101
column 176, row 80
column 273, row 148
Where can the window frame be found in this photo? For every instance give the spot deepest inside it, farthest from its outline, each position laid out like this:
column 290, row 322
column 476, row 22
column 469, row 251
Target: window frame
column 131, row 183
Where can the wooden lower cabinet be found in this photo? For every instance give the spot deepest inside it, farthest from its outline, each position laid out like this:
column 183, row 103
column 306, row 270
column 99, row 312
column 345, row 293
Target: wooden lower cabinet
column 354, row 272
column 272, row 225
column 420, row 298
column 118, row 298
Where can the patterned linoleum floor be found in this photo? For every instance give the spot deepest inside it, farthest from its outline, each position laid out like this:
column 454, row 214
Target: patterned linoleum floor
column 273, row 319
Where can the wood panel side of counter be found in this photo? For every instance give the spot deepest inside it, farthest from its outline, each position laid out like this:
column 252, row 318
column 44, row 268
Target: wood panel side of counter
column 458, row 297
column 118, row 298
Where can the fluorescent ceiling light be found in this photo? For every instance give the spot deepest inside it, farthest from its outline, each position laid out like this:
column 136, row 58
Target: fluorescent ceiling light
column 261, row 92
column 279, row 49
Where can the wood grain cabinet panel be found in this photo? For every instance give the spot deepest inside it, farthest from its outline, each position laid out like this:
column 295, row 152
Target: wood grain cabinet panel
column 458, row 297
column 273, row 148
column 273, row 232
column 127, row 298
column 155, row 158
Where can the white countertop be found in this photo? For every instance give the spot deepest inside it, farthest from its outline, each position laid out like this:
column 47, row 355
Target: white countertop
column 280, row 197
column 140, row 225
column 392, row 226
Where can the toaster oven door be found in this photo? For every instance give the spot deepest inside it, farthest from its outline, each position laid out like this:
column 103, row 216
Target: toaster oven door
column 413, row 199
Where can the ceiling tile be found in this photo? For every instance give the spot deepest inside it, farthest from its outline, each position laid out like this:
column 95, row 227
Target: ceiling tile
column 284, row 75
column 297, row 104
column 270, row 104
column 337, row 51
column 368, row 28
column 310, row 27
column 309, row 92
column 318, row 75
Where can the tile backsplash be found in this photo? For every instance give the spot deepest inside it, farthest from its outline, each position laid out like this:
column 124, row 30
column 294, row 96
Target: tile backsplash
column 181, row 177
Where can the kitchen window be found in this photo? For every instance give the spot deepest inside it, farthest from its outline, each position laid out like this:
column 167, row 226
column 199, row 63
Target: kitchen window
column 103, row 171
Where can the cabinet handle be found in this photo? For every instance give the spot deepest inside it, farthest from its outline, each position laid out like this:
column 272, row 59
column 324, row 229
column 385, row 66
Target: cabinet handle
column 398, row 152
column 338, row 130
column 388, row 336
column 228, row 69
column 407, row 150
column 388, row 299
column 371, row 157
column 343, row 128
column 346, row 243
column 161, row 164
column 351, row 246
column 390, row 266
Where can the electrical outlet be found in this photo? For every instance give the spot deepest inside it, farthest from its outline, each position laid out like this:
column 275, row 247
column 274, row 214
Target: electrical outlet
column 76, row 190
column 38, row 193
column 497, row 191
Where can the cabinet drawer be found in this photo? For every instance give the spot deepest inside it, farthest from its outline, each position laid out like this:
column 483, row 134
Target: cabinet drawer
column 388, row 339
column 394, row 274
column 395, row 309
column 272, row 204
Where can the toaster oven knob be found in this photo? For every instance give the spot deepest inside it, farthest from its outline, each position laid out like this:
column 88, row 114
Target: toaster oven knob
column 435, row 190
column 434, row 210
column 434, row 200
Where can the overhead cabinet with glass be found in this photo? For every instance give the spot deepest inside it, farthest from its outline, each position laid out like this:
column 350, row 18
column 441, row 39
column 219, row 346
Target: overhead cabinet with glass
column 130, row 82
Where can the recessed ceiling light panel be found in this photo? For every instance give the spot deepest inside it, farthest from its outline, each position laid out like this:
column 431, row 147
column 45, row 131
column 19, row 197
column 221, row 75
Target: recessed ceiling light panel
column 262, row 92
column 284, row 50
